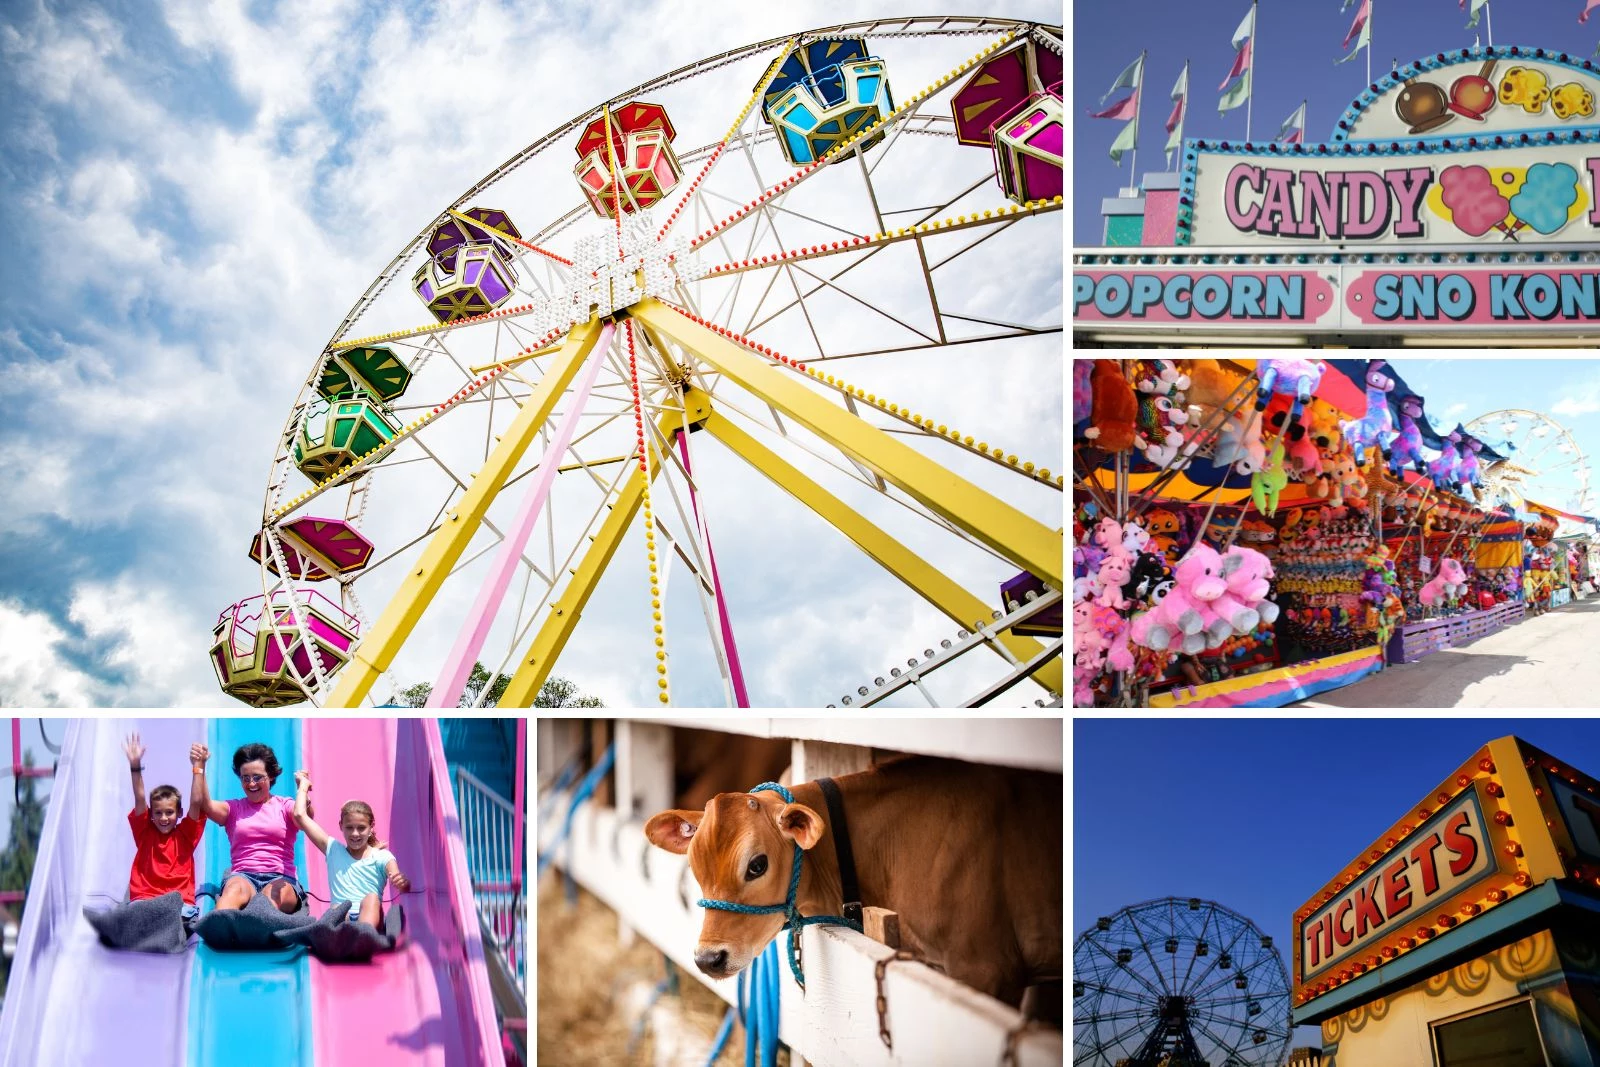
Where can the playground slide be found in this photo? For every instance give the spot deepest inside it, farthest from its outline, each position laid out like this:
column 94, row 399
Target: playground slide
column 72, row 1001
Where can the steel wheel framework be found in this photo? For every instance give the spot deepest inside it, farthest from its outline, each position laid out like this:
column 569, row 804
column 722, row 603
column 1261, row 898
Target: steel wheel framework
column 1159, row 984
column 1546, row 465
column 690, row 374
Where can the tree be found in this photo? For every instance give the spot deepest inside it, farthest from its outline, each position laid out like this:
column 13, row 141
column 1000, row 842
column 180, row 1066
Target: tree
column 555, row 693
column 22, row 847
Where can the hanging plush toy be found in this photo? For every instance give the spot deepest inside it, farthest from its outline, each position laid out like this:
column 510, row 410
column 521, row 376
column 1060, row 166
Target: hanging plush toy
column 1467, row 470
column 1164, row 526
column 1268, row 482
column 1239, row 446
column 1114, row 412
column 1210, row 388
column 1443, row 469
column 1082, row 393
column 1407, row 446
column 1446, row 586
column 1374, row 430
column 1297, row 378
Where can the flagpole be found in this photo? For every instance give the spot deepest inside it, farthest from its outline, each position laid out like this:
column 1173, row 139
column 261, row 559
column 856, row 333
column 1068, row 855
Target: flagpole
column 1371, row 11
column 1488, row 19
column 1138, row 106
column 1255, row 57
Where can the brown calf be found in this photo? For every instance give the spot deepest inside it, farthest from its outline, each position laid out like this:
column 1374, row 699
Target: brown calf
column 968, row 855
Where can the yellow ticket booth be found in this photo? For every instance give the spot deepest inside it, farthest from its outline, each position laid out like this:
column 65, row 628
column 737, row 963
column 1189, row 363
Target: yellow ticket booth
column 1468, row 933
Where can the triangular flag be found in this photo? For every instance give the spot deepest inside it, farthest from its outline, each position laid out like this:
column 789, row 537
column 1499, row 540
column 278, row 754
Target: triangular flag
column 1128, row 79
column 1241, row 63
column 1363, row 14
column 1294, row 127
column 1363, row 23
column 1236, row 95
column 1477, row 6
column 1180, row 103
column 1590, row 6
column 1247, row 28
column 1124, row 142
column 1125, row 108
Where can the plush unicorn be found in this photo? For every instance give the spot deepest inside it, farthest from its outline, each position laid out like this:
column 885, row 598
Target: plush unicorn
column 1468, row 472
column 1375, row 429
column 1407, row 445
column 1443, row 469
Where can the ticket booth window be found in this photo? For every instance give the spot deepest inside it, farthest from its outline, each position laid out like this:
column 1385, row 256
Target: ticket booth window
column 1504, row 1037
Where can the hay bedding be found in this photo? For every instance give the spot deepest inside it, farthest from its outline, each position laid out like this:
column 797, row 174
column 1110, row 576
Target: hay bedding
column 592, row 989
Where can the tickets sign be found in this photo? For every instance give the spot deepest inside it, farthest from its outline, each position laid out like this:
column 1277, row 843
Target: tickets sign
column 1448, row 854
column 1512, row 196
column 1340, row 297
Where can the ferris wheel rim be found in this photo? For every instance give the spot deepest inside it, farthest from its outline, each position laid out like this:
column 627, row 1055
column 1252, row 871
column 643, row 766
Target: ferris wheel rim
column 1086, row 1024
column 282, row 467
column 1579, row 460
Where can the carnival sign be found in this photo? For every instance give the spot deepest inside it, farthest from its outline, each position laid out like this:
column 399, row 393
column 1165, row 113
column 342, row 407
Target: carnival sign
column 1438, row 862
column 1512, row 195
column 1340, row 297
column 1581, row 813
column 1474, row 92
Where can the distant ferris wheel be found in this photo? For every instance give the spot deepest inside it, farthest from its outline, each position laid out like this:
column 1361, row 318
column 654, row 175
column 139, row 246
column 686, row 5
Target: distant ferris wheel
column 1543, row 462
column 1178, row 983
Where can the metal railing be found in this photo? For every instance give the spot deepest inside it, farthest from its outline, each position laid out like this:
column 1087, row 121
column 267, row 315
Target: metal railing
column 489, row 828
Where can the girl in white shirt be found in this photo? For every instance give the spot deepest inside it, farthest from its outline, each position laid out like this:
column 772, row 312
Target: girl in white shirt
column 358, row 866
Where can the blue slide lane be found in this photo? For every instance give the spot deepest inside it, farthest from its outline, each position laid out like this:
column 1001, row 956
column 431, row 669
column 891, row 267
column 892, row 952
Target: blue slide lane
column 253, row 1006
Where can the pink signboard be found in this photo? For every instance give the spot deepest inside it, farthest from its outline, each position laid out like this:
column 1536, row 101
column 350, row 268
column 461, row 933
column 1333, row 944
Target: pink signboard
column 1340, row 297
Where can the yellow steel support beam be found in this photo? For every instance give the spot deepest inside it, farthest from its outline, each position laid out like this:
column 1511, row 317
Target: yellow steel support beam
column 534, row 665
column 1014, row 534
column 378, row 647
column 931, row 583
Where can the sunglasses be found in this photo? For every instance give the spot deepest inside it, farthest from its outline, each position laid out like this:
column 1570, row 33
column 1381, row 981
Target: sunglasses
column 252, row 779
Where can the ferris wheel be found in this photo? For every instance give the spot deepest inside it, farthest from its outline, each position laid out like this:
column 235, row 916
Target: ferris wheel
column 822, row 315
column 1178, row 983
column 1543, row 462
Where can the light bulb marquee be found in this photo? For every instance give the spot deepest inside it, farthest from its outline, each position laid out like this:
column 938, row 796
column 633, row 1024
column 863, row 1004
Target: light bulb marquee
column 1510, row 818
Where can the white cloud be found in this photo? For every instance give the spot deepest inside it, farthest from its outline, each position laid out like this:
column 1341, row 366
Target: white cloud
column 35, row 669
column 1579, row 400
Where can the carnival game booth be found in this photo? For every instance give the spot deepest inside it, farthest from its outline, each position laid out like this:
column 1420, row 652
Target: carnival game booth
column 1313, row 521
column 1466, row 932
column 1455, row 202
column 1224, row 553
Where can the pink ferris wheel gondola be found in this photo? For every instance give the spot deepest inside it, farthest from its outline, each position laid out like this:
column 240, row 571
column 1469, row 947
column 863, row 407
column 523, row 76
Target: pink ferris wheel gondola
column 316, row 548
column 1012, row 104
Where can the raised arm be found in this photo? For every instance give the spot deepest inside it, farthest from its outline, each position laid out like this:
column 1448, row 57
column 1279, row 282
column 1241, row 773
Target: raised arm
column 302, row 812
column 135, row 750
column 396, row 879
column 201, row 806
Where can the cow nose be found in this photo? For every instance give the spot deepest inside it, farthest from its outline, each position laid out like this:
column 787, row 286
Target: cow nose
column 712, row 961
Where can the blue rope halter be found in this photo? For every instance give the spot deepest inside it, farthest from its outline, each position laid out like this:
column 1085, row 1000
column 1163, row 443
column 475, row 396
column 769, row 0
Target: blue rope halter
column 793, row 920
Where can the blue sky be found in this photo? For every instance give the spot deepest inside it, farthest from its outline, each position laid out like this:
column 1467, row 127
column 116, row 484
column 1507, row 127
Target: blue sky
column 196, row 195
column 1457, row 390
column 1255, row 813
column 1298, row 41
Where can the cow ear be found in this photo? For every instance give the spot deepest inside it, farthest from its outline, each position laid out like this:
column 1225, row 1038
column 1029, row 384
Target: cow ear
column 800, row 824
column 672, row 830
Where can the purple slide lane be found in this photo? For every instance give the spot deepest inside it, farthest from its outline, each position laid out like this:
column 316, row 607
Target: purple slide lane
column 429, row 1003
column 70, row 1000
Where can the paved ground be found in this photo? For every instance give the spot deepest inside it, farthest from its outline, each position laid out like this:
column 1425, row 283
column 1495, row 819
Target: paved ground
column 1552, row 661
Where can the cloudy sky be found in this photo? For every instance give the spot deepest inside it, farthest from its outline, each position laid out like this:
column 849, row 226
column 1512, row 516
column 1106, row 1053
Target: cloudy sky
column 198, row 194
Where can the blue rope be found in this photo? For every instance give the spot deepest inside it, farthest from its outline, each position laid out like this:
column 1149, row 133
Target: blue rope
column 586, row 789
column 723, row 1033
column 794, row 922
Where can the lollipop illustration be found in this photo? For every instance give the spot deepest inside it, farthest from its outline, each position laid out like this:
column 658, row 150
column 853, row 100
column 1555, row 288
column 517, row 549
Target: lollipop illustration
column 1422, row 106
column 1476, row 206
column 1472, row 96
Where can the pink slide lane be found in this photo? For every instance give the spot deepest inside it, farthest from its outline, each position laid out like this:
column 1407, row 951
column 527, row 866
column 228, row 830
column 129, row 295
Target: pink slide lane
column 428, row 1003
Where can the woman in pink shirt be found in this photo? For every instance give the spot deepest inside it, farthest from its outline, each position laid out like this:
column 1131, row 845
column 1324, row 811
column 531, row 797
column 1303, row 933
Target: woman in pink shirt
column 261, row 831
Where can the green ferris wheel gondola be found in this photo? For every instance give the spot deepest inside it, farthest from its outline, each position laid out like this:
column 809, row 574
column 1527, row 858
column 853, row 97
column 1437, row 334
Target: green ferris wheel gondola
column 335, row 433
column 376, row 369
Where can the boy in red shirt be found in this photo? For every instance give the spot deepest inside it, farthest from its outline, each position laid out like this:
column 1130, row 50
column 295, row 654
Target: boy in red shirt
column 164, row 841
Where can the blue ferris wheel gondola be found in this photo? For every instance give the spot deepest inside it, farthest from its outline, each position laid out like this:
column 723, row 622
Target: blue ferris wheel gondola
column 825, row 93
